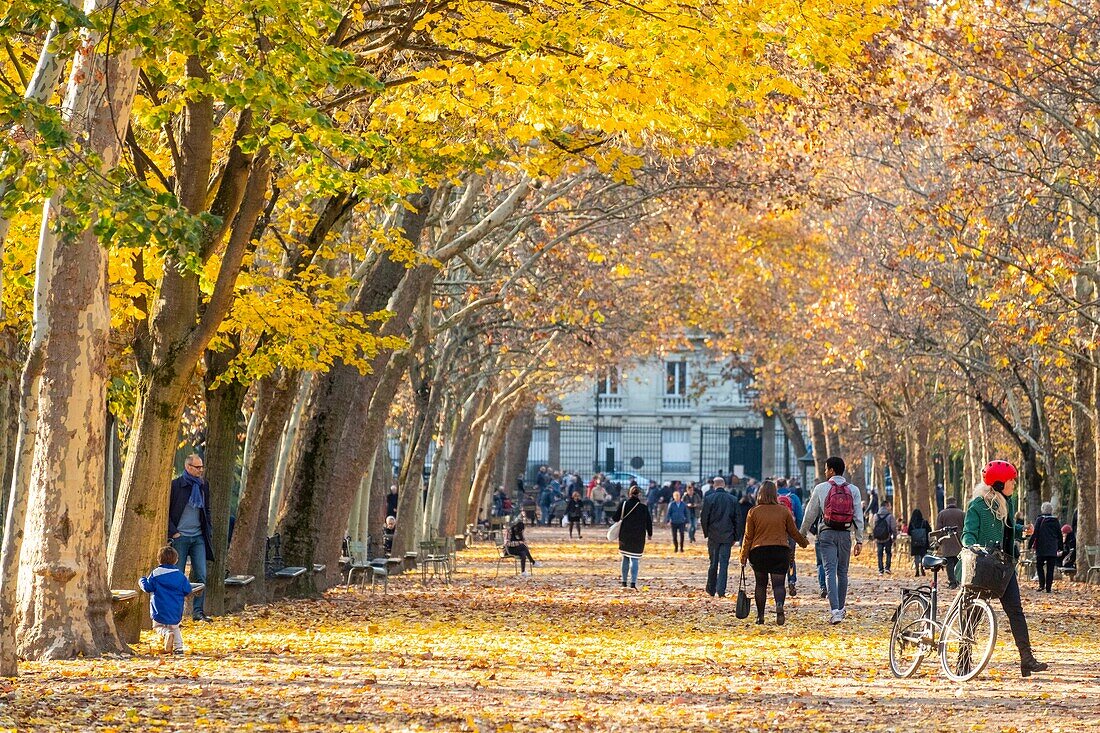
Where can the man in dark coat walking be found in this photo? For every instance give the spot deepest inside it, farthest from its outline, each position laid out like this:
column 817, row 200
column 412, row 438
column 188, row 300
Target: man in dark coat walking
column 718, row 522
column 190, row 531
column 951, row 516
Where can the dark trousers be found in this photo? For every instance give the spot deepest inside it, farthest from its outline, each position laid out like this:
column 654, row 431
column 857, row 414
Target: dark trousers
column 575, row 523
column 779, row 590
column 1046, row 572
column 951, row 563
column 718, row 571
column 885, row 550
column 523, row 552
column 1014, row 609
column 678, row 536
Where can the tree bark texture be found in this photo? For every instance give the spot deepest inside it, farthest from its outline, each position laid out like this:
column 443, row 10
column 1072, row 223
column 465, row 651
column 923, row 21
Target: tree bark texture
column 274, row 404
column 921, row 495
column 331, row 434
column 1083, row 422
column 167, row 358
column 517, row 445
column 821, row 450
column 464, row 441
column 64, row 601
column 224, row 403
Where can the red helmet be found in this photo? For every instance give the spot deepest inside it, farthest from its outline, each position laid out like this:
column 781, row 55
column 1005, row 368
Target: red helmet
column 995, row 471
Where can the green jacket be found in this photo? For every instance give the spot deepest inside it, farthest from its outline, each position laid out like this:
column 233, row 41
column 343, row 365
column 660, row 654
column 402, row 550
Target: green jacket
column 981, row 527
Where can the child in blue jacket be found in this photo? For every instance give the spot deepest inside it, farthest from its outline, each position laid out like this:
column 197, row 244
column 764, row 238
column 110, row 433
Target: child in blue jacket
column 169, row 588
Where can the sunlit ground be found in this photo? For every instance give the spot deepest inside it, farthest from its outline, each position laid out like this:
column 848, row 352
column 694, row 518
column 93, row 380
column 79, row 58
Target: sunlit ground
column 568, row 649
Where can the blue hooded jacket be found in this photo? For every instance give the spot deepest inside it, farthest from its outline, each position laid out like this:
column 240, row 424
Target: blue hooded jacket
column 169, row 587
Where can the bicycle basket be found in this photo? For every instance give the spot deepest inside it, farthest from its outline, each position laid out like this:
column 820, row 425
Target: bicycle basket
column 986, row 572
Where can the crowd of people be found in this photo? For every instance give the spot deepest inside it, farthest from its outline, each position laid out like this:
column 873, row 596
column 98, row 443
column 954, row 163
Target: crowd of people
column 766, row 521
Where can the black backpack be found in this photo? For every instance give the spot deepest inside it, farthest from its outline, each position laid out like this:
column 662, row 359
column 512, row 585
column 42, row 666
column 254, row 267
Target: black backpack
column 918, row 538
column 881, row 532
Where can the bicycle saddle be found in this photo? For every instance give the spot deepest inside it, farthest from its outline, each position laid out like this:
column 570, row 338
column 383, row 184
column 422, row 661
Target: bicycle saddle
column 932, row 562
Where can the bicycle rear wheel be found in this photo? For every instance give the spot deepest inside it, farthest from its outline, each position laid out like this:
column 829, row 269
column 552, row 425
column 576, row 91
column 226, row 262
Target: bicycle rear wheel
column 911, row 636
column 969, row 635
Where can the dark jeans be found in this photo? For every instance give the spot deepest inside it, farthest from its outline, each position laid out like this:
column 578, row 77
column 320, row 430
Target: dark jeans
column 575, row 523
column 1014, row 609
column 820, row 566
column 1045, row 567
column 678, row 536
column 195, row 549
column 691, row 524
column 718, row 571
column 885, row 549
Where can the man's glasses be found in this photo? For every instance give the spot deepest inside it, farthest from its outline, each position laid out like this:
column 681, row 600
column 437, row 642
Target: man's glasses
column 198, row 466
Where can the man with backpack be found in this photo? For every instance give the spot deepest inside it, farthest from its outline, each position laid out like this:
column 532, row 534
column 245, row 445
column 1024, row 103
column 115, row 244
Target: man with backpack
column 789, row 499
column 884, row 532
column 839, row 506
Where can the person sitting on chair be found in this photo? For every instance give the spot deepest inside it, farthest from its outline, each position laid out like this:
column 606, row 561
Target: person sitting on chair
column 517, row 546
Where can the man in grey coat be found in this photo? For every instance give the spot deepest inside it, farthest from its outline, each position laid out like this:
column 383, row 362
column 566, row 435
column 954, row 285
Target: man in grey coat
column 835, row 542
column 718, row 521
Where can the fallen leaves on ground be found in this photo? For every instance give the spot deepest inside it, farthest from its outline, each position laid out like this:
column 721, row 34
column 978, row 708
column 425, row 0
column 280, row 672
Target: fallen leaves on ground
column 566, row 649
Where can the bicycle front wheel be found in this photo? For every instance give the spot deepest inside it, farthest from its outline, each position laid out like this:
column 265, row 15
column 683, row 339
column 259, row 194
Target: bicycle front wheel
column 969, row 635
column 911, row 636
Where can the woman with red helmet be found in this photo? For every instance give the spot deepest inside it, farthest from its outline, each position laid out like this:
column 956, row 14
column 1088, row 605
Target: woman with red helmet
column 989, row 523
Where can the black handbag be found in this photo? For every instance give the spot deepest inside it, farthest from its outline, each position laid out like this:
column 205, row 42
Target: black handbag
column 743, row 604
column 987, row 572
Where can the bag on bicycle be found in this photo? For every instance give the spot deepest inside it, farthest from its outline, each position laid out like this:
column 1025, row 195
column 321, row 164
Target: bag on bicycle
column 987, row 571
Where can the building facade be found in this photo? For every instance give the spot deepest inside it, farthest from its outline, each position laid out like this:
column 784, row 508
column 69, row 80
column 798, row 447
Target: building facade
column 677, row 418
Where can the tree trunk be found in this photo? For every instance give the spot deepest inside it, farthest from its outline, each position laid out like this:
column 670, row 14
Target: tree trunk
column 482, row 485
column 518, row 445
column 224, row 403
column 410, row 491
column 167, row 360
column 380, row 477
column 288, row 452
column 821, row 450
column 791, row 429
column 40, row 87
column 63, row 596
column 332, row 434
column 274, row 404
column 921, row 495
column 1083, row 422
column 464, row 442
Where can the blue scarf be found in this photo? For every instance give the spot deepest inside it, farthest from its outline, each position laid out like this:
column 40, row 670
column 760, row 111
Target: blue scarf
column 196, row 491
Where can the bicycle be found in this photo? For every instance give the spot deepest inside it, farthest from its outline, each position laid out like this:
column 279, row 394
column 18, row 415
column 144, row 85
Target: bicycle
column 965, row 639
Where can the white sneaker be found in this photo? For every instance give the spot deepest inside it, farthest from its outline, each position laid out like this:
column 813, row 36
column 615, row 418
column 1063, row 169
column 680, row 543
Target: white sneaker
column 843, row 613
column 525, row 574
column 835, row 617
column 536, row 563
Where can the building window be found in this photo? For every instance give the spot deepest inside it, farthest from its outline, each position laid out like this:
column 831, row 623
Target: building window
column 607, row 381
column 676, row 378
column 676, row 450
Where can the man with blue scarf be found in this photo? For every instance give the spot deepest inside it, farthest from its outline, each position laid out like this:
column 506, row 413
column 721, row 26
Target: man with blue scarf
column 189, row 527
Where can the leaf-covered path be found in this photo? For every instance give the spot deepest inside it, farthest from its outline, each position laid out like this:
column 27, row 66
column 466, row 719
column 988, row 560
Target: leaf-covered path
column 567, row 649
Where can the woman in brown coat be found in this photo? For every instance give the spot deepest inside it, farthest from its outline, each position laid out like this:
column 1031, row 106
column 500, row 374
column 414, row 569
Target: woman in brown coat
column 765, row 546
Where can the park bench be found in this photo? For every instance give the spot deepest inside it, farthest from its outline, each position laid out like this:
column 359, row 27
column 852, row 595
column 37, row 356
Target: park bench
column 274, row 567
column 238, row 581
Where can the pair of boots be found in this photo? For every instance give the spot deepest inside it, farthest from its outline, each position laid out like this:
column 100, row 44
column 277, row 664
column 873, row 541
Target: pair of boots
column 780, row 616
